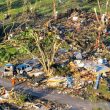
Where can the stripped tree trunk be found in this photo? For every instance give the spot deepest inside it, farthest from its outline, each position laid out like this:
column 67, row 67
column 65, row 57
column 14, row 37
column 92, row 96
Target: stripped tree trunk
column 102, row 24
column 54, row 10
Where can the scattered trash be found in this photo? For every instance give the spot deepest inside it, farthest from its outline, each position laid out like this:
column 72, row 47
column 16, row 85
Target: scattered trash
column 78, row 55
column 97, row 81
column 87, row 62
column 4, row 95
column 70, row 81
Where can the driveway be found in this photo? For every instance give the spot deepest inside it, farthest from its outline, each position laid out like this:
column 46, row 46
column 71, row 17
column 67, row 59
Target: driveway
column 52, row 95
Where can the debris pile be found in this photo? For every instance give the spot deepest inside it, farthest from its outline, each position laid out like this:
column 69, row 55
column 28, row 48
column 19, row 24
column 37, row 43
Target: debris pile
column 4, row 94
column 80, row 30
column 27, row 102
column 45, row 105
column 8, row 106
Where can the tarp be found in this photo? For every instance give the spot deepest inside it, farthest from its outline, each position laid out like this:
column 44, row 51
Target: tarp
column 98, row 68
column 102, row 69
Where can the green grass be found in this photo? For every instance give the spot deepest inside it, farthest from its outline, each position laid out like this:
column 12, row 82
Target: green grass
column 91, row 6
column 102, row 89
column 41, row 6
column 45, row 6
column 2, row 1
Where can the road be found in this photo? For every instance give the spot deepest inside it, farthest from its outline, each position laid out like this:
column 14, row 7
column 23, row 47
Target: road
column 75, row 102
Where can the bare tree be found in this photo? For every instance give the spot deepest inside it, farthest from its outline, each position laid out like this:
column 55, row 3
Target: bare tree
column 102, row 22
column 26, row 5
column 9, row 2
column 54, row 9
column 46, row 57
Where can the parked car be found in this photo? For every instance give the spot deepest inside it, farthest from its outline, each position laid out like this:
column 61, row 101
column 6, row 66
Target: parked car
column 24, row 66
column 34, row 63
column 8, row 70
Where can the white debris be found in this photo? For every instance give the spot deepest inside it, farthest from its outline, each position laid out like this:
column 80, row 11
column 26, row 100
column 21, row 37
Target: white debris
column 79, row 63
column 75, row 18
column 56, row 81
column 36, row 74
